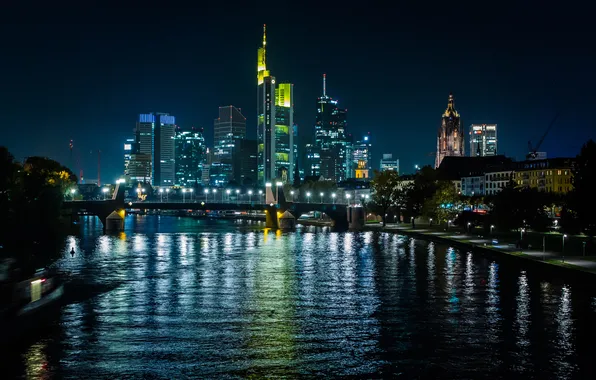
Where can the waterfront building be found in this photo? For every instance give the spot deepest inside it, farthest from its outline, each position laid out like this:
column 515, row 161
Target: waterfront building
column 450, row 139
column 155, row 138
column 388, row 163
column 483, row 140
column 361, row 157
column 129, row 149
column 497, row 179
column 139, row 168
column 190, row 156
column 552, row 175
column 330, row 137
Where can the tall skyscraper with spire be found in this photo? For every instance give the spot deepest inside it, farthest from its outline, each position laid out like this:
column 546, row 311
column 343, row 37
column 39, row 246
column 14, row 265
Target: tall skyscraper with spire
column 275, row 123
column 450, row 139
column 331, row 138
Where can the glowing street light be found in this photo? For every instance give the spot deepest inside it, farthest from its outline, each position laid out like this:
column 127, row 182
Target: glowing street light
column 191, row 191
column 214, row 191
column 104, row 191
column 249, row 196
column 492, row 227
column 228, row 191
column 333, row 196
column 72, row 193
column 563, row 251
column 308, row 196
column 277, row 185
column 167, row 194
column 161, row 194
column 183, row 195
column 206, row 191
column 348, row 198
column 321, row 197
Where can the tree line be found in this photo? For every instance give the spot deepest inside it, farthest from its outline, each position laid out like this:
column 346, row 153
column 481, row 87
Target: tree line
column 31, row 196
column 513, row 207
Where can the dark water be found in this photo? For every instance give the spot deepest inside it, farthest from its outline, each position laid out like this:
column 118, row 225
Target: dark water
column 221, row 299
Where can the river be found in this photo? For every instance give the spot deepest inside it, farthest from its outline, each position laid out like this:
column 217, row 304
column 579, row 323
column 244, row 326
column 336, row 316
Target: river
column 229, row 299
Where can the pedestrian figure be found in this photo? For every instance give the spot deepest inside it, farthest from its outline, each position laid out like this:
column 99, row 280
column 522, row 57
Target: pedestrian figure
column 72, row 251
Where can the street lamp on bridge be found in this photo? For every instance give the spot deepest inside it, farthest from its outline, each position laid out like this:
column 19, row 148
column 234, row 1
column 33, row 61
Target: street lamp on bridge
column 161, row 194
column 322, row 194
column 348, row 198
column 183, row 195
column 191, row 191
column 249, row 196
column 333, row 196
column 308, row 196
column 206, row 191
column 277, row 185
column 104, row 191
column 228, row 193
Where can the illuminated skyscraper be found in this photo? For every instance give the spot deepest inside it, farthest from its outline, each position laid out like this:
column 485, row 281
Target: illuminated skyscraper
column 275, row 123
column 361, row 158
column 284, row 132
column 230, row 125
column 129, row 150
column 483, row 140
column 155, row 138
column 450, row 139
column 190, row 156
column 330, row 137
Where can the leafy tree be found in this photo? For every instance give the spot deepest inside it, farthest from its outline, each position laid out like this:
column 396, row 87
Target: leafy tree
column 418, row 192
column 445, row 203
column 580, row 210
column 383, row 188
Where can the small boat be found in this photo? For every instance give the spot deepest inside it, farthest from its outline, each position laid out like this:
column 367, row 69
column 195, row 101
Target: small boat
column 29, row 303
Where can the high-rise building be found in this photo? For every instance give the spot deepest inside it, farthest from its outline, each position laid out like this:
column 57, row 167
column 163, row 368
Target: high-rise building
column 313, row 160
column 388, row 163
column 229, row 125
column 361, row 158
column 275, row 123
column 129, row 149
column 450, row 139
column 244, row 164
column 330, row 137
column 190, row 156
column 284, row 131
column 155, row 138
column 139, row 168
column 483, row 140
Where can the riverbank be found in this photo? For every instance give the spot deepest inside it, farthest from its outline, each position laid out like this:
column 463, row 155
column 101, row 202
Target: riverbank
column 564, row 267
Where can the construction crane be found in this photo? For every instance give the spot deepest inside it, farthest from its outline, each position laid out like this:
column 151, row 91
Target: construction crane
column 533, row 152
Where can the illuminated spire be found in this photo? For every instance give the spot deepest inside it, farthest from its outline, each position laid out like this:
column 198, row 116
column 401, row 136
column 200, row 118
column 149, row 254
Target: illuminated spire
column 324, row 84
column 450, row 111
column 262, row 58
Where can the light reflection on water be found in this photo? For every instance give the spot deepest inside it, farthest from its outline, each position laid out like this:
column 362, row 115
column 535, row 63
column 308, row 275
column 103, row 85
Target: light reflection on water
column 213, row 299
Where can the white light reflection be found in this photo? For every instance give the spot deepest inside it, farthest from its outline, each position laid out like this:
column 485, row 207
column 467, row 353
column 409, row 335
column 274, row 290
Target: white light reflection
column 103, row 244
column 469, row 279
column 430, row 265
column 493, row 304
column 412, row 262
column 522, row 321
column 450, row 288
column 565, row 348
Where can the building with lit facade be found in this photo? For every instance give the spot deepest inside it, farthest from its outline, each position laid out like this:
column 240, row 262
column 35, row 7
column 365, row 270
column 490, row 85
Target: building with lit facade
column 312, row 160
column 450, row 139
column 190, row 156
column 331, row 138
column 483, row 140
column 155, row 134
column 388, row 163
column 275, row 123
column 229, row 126
column 552, row 175
column 139, row 168
column 361, row 158
column 129, row 149
column 285, row 154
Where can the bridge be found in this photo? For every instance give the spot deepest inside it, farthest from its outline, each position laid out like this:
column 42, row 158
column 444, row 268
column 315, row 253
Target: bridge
column 111, row 212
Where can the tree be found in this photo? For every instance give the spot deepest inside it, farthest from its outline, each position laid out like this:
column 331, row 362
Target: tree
column 418, row 192
column 580, row 209
column 383, row 188
column 445, row 203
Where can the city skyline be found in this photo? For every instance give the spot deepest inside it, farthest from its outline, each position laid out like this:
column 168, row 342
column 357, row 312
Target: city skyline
column 61, row 89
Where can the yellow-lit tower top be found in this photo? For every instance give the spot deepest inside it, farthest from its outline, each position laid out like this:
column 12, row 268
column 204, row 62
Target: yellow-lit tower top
column 262, row 71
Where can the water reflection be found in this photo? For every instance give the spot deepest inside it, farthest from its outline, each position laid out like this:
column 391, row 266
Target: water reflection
column 206, row 299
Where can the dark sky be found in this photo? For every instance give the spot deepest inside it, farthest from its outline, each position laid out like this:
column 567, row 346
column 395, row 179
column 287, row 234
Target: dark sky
column 85, row 74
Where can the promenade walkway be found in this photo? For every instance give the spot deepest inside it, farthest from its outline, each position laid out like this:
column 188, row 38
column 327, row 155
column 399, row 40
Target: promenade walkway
column 586, row 263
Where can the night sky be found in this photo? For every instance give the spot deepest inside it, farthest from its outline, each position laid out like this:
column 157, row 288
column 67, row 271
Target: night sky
column 86, row 74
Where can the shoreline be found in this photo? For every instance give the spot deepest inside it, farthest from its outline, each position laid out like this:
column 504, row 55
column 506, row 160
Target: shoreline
column 551, row 268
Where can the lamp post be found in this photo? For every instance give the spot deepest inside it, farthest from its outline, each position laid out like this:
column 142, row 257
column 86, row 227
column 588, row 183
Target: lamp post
column 250, row 196
column 104, row 191
column 292, row 194
column 348, row 199
column 521, row 233
column 448, row 223
column 469, row 224
column 228, row 192
column 191, row 191
column 260, row 193
column 277, row 185
column 321, row 194
column 237, row 195
column 183, row 195
column 214, row 191
column 72, row 193
column 138, row 193
column 430, row 222
column 563, row 250
column 206, row 191
column 161, row 195
column 167, row 195
column 583, row 248
column 308, row 197
column 333, row 197
column 491, row 229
